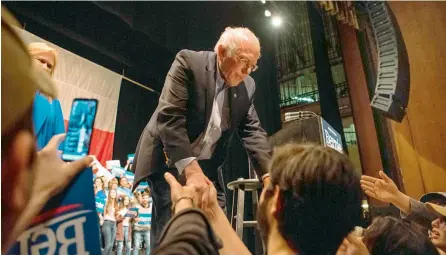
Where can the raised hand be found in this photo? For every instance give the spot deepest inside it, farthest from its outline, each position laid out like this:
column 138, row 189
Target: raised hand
column 383, row 189
column 178, row 192
column 196, row 178
column 52, row 174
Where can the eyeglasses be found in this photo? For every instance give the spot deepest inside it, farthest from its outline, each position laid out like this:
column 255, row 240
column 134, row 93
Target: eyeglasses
column 247, row 64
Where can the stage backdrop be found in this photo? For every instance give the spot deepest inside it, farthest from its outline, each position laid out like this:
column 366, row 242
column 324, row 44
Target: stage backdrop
column 77, row 77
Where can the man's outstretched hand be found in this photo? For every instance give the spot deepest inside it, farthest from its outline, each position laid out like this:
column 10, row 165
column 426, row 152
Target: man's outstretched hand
column 196, row 178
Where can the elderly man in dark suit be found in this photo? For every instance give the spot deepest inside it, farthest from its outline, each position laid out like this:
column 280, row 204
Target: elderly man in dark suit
column 207, row 97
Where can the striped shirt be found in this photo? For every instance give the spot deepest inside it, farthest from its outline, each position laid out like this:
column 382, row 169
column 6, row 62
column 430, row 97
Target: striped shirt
column 145, row 218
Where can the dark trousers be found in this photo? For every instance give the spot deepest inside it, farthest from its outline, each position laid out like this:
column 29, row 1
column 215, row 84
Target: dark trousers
column 161, row 210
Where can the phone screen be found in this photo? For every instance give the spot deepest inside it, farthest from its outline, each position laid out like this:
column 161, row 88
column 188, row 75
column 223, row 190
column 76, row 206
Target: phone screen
column 80, row 128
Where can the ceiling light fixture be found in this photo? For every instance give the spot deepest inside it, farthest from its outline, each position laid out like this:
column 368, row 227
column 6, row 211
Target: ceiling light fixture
column 276, row 21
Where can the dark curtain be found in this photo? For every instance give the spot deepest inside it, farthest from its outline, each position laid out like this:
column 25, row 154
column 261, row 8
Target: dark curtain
column 135, row 107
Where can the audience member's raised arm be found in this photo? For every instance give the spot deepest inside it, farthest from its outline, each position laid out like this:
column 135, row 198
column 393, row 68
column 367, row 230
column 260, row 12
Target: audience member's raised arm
column 232, row 244
column 189, row 231
column 385, row 190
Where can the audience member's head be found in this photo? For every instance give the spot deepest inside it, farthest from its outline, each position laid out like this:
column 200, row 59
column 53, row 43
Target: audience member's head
column 145, row 199
column 137, row 198
column 438, row 232
column 147, row 191
column 99, row 183
column 313, row 201
column 45, row 57
column 238, row 50
column 112, row 201
column 123, row 182
column 20, row 81
column 124, row 202
column 388, row 235
column 113, row 184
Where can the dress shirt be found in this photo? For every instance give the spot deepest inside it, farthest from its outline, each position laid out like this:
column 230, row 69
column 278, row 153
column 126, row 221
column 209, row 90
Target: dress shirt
column 218, row 123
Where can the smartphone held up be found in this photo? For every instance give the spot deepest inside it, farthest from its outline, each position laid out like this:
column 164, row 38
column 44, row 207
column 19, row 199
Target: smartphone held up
column 80, row 129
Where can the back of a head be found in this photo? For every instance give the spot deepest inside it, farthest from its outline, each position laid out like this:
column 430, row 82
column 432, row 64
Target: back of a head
column 320, row 195
column 391, row 236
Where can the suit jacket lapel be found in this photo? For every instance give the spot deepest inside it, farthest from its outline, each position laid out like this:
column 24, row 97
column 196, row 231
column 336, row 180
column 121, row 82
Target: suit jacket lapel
column 237, row 104
column 210, row 85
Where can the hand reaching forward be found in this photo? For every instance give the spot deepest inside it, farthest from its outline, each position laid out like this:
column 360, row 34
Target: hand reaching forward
column 383, row 189
column 51, row 173
column 178, row 194
column 196, row 178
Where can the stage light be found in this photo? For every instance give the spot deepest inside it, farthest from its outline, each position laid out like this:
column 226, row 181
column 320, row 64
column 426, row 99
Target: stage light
column 276, row 21
column 267, row 13
column 263, row 1
column 365, row 205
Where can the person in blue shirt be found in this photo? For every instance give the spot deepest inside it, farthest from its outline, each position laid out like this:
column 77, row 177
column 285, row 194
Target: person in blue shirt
column 47, row 112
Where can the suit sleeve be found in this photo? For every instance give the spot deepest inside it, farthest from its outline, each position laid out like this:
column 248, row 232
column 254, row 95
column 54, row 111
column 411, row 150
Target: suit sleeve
column 255, row 140
column 419, row 214
column 172, row 113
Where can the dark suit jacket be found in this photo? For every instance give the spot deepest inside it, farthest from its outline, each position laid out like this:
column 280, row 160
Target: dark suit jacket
column 183, row 112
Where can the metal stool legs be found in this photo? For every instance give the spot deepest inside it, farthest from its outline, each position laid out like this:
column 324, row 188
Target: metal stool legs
column 239, row 187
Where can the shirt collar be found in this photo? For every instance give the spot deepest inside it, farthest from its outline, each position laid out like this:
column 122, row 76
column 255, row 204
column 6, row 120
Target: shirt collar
column 219, row 82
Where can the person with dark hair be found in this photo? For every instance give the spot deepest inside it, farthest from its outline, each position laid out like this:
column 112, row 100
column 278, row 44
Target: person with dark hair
column 438, row 232
column 313, row 201
column 389, row 235
column 310, row 206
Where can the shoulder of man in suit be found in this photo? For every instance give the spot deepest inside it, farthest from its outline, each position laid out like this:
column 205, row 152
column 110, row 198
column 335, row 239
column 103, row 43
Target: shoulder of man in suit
column 187, row 52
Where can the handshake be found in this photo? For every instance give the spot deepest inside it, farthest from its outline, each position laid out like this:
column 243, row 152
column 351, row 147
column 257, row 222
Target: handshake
column 199, row 192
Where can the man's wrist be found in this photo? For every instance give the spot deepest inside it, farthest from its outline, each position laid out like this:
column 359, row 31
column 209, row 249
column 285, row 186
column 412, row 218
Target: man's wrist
column 192, row 168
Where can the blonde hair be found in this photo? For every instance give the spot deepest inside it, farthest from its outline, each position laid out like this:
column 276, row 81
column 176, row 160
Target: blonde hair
column 111, row 202
column 232, row 37
column 40, row 47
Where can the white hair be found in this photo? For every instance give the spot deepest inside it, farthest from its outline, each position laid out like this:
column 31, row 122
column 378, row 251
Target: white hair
column 232, row 37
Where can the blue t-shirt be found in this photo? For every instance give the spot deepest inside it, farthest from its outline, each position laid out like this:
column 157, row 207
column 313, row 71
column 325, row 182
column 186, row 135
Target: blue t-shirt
column 47, row 119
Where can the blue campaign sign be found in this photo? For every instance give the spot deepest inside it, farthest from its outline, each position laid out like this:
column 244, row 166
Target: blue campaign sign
column 130, row 176
column 118, row 171
column 68, row 224
column 132, row 212
column 100, row 200
column 124, row 192
column 130, row 157
column 142, row 186
column 331, row 137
